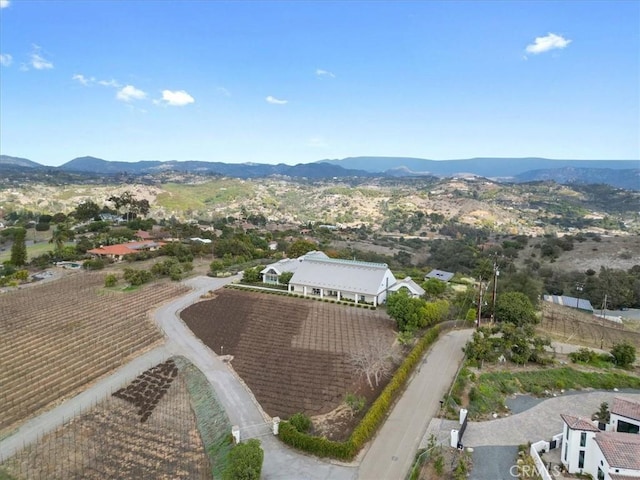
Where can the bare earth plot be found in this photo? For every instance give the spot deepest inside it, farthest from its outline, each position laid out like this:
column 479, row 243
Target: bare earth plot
column 568, row 324
column 293, row 353
column 146, row 430
column 58, row 336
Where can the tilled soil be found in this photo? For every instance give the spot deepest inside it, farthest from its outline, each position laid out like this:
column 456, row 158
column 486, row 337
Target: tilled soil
column 293, row 353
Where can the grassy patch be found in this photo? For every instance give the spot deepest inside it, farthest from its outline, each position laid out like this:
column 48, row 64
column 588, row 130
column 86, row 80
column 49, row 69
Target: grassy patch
column 212, row 420
column 488, row 393
column 5, row 476
column 195, row 197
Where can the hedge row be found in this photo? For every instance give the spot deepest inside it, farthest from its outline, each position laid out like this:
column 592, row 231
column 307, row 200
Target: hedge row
column 372, row 420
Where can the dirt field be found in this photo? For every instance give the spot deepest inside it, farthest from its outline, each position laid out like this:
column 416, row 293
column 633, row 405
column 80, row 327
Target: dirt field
column 569, row 325
column 291, row 352
column 621, row 252
column 57, row 336
column 155, row 437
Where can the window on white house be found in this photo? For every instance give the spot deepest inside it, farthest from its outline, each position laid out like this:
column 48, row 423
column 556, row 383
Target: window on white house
column 581, row 459
column 583, row 439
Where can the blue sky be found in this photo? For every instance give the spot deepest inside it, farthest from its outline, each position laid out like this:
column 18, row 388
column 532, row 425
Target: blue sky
column 295, row 82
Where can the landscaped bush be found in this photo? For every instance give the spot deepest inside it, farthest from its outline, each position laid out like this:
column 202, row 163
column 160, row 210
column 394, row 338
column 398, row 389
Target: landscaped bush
column 137, row 277
column 110, row 280
column 301, row 422
column 93, row 264
column 245, row 461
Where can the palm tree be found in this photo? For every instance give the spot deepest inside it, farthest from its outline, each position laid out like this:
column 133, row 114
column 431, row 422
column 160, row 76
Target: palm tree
column 61, row 234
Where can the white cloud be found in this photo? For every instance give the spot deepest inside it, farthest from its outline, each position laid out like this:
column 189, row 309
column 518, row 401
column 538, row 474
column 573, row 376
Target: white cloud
column 276, row 101
column 550, row 42
column 5, row 59
column 128, row 93
column 4, row 3
column 78, row 77
column 324, row 73
column 37, row 61
column 108, row 83
column 177, row 98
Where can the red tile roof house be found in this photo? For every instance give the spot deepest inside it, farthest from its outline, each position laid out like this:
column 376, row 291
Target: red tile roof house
column 143, row 235
column 121, row 250
column 613, row 454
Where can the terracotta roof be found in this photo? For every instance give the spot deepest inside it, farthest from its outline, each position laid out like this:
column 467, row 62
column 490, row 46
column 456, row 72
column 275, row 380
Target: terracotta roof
column 124, row 248
column 577, row 423
column 143, row 235
column 617, row 476
column 626, row 408
column 621, row 450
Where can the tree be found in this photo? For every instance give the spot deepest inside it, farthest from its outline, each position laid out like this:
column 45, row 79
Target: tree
column 300, row 247
column 19, row 248
column 481, row 348
column 110, row 280
column 624, row 354
column 603, row 415
column 373, row 360
column 516, row 308
column 434, row 287
column 285, row 278
column 405, row 310
column 61, row 234
column 86, row 211
column 251, row 275
column 245, row 461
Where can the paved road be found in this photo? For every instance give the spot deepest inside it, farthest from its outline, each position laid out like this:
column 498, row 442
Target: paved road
column 389, row 456
column 280, row 462
column 392, row 452
column 538, row 423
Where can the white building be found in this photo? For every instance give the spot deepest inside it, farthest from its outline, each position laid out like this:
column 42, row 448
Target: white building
column 613, row 454
column 315, row 274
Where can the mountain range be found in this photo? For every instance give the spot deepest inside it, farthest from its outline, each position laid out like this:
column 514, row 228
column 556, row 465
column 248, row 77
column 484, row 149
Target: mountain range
column 619, row 173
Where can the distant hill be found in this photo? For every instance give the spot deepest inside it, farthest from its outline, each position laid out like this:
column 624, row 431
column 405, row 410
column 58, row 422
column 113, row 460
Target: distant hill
column 628, row 179
column 6, row 160
column 238, row 170
column 618, row 173
column 484, row 167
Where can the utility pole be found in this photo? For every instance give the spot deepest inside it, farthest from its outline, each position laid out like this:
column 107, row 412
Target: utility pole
column 479, row 302
column 496, row 272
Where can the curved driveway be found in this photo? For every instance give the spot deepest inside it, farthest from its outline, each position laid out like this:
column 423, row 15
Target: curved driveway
column 401, row 433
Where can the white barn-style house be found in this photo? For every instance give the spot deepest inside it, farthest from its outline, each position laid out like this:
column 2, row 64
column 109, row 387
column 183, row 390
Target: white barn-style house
column 315, row 274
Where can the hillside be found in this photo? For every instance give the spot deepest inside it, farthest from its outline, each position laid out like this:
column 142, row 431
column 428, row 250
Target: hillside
column 617, row 173
column 409, row 207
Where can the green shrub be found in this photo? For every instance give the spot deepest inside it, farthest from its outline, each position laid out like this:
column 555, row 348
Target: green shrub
column 93, row 264
column 301, row 422
column 245, row 461
column 624, row 354
column 110, row 280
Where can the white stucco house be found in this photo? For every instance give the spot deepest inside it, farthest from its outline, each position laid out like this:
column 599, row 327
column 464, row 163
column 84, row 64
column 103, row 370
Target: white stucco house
column 610, row 454
column 315, row 274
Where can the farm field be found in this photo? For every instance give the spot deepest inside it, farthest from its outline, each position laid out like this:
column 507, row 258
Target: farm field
column 58, row 336
column 569, row 325
column 293, row 353
column 145, row 430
